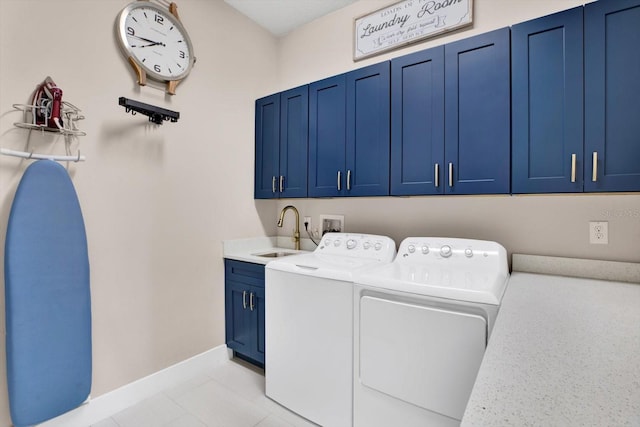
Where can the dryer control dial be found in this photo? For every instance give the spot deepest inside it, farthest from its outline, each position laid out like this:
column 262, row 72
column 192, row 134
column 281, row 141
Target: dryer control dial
column 468, row 252
column 411, row 249
column 377, row 246
column 336, row 243
column 366, row 245
column 446, row 251
column 351, row 243
column 425, row 249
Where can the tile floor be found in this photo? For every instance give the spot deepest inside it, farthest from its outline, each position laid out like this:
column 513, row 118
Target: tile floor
column 230, row 395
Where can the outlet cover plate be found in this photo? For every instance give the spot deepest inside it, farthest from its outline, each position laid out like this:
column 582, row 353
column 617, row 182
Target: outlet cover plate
column 599, row 232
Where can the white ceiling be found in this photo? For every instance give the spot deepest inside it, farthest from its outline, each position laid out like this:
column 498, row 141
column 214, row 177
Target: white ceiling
column 282, row 16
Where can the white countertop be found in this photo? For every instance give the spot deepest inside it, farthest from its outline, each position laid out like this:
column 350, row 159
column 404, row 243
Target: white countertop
column 564, row 351
column 245, row 249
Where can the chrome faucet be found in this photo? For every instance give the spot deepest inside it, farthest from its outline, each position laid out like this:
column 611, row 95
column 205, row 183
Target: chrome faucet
column 296, row 233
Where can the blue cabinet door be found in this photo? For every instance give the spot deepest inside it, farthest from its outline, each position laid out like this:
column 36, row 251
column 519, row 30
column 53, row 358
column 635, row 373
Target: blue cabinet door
column 478, row 114
column 327, row 137
column 417, row 123
column 244, row 310
column 612, row 96
column 294, row 134
column 267, row 147
column 547, row 103
column 241, row 333
column 368, row 131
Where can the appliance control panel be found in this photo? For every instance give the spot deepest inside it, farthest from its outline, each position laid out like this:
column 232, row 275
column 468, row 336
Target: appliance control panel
column 358, row 245
column 452, row 251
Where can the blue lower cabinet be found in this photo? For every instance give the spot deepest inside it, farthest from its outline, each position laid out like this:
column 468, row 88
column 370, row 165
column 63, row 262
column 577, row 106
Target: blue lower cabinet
column 244, row 310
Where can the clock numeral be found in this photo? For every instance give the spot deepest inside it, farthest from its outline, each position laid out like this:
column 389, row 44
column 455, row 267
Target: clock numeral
column 159, row 19
column 130, row 31
column 182, row 55
column 157, row 68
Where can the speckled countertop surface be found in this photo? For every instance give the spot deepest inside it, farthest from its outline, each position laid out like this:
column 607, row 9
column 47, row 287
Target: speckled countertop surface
column 564, row 352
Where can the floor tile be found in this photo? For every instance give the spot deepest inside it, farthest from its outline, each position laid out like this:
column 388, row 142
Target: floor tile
column 109, row 422
column 156, row 411
column 186, row 386
column 186, row 420
column 246, row 380
column 217, row 406
column 274, row 421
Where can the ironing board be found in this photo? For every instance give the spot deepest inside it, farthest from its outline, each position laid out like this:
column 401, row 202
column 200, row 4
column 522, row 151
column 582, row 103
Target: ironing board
column 48, row 305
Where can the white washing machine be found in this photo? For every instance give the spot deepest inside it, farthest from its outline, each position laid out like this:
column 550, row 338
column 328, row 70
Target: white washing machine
column 309, row 325
column 421, row 326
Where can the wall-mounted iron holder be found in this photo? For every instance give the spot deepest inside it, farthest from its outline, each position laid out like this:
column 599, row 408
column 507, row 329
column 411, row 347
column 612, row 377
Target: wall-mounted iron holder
column 155, row 114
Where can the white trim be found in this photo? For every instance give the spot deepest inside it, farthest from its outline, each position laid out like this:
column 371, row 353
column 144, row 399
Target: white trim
column 106, row 405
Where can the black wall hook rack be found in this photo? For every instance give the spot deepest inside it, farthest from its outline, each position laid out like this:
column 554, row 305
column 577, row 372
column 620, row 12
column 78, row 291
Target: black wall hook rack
column 155, row 114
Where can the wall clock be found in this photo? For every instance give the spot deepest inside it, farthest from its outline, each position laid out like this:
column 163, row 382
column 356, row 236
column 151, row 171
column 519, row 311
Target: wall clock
column 155, row 43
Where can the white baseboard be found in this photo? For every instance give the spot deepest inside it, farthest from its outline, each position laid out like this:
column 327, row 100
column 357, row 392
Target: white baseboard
column 106, row 405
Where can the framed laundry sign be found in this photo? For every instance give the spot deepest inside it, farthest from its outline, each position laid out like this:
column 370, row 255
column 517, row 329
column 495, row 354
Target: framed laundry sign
column 407, row 22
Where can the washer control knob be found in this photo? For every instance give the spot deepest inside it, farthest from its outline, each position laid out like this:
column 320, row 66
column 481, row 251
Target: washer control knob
column 468, row 252
column 411, row 249
column 351, row 243
column 377, row 246
column 327, row 242
column 425, row 249
column 336, row 243
column 366, row 245
column 445, row 251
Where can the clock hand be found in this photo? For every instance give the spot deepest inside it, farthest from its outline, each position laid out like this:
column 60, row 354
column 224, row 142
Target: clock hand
column 147, row 45
column 150, row 41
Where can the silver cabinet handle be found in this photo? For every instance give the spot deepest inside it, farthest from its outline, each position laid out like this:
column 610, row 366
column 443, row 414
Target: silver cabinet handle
column 594, row 173
column 339, row 179
column 281, row 183
column 450, row 174
column 273, row 184
column 573, row 168
column 348, row 179
column 436, row 175
column 244, row 300
column 251, row 306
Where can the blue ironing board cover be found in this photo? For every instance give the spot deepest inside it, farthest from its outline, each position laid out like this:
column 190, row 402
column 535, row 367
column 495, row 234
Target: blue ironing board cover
column 48, row 302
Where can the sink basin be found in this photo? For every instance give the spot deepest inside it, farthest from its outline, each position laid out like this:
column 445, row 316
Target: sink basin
column 274, row 254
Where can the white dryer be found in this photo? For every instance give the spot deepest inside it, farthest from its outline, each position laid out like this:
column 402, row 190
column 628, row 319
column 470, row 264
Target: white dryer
column 421, row 326
column 309, row 325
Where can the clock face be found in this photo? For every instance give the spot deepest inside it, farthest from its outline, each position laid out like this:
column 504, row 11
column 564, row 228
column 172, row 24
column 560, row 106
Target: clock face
column 156, row 41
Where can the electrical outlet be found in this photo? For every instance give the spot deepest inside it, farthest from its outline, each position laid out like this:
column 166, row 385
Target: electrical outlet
column 307, row 220
column 599, row 232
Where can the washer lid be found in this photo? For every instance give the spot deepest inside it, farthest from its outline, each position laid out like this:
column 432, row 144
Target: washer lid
column 322, row 265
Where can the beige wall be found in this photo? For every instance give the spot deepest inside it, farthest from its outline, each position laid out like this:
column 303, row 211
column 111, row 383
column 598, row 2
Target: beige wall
column 157, row 200
column 551, row 224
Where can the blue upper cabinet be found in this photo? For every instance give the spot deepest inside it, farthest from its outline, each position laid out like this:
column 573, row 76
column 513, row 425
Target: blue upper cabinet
column 267, row 147
column 417, row 123
column 547, row 104
column 282, row 144
column 612, row 96
column 478, row 114
column 368, row 134
column 294, row 146
column 349, row 134
column 327, row 136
